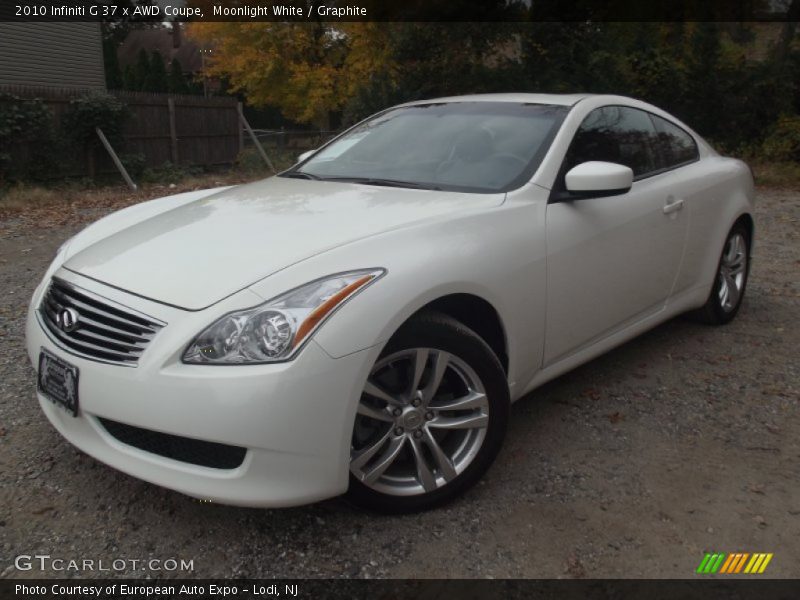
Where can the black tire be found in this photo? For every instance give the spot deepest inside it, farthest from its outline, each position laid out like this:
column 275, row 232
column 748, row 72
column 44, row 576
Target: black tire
column 713, row 312
column 441, row 332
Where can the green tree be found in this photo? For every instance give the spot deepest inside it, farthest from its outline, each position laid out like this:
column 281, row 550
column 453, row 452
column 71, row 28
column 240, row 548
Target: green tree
column 111, row 64
column 176, row 83
column 130, row 79
column 429, row 60
column 156, row 78
column 141, row 71
column 704, row 69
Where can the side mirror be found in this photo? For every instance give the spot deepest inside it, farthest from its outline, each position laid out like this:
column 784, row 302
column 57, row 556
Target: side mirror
column 596, row 178
column 305, row 155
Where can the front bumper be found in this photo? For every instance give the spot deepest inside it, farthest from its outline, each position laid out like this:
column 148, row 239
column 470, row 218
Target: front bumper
column 294, row 419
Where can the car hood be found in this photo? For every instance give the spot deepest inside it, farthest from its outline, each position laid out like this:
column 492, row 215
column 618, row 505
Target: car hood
column 196, row 254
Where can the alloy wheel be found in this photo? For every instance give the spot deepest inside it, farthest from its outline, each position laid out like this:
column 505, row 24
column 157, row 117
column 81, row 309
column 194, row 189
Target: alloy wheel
column 732, row 272
column 422, row 420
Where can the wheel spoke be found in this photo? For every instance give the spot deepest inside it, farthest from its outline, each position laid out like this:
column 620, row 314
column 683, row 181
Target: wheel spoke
column 440, row 362
column 418, row 362
column 387, row 458
column 471, row 401
column 372, row 389
column 424, row 474
column 442, row 461
column 476, row 421
column 735, row 254
column 378, row 414
column 733, row 290
column 362, row 457
column 740, row 248
column 730, row 255
column 723, row 290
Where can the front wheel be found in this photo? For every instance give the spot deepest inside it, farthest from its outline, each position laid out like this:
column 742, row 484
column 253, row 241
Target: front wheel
column 431, row 419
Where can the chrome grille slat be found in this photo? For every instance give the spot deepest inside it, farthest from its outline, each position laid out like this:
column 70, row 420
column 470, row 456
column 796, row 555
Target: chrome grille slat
column 90, row 350
column 84, row 335
column 59, row 297
column 101, row 304
column 106, row 331
column 96, row 327
column 100, row 329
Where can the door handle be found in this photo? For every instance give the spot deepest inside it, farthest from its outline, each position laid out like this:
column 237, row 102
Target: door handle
column 672, row 206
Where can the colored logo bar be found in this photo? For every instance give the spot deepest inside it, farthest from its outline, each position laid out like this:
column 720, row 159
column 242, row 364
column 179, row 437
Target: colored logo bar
column 735, row 562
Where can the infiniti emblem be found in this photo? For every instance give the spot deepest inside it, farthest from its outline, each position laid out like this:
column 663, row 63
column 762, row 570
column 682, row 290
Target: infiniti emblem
column 68, row 319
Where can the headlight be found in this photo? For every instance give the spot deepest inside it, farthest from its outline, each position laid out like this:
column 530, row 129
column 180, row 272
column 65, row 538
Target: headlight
column 276, row 330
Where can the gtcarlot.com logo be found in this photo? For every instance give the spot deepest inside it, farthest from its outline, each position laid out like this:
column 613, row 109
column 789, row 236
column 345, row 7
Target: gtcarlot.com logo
column 734, row 562
column 45, row 562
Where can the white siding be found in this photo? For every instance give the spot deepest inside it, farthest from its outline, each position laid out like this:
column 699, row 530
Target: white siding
column 52, row 54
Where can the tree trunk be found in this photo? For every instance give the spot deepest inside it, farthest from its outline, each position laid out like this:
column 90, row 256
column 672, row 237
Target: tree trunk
column 788, row 32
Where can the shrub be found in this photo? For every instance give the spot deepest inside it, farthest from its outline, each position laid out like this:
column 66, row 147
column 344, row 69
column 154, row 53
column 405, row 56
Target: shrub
column 94, row 110
column 134, row 164
column 26, row 126
column 88, row 112
column 783, row 143
column 249, row 161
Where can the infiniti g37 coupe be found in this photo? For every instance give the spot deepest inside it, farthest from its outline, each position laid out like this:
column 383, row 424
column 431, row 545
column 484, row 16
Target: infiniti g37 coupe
column 361, row 322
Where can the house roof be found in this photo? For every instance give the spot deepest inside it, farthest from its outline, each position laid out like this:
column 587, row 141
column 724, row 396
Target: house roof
column 164, row 40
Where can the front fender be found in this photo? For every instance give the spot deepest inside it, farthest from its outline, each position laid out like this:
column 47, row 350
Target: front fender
column 497, row 255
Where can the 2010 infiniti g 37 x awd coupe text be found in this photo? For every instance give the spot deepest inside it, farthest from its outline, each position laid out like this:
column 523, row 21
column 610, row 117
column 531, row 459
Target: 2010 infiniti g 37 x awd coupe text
column 361, row 322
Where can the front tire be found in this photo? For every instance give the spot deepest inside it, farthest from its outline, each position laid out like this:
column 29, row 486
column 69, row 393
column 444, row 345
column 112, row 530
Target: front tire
column 431, row 420
column 731, row 280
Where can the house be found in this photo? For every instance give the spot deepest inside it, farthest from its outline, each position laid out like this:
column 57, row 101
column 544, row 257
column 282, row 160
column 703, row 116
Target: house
column 63, row 55
column 170, row 43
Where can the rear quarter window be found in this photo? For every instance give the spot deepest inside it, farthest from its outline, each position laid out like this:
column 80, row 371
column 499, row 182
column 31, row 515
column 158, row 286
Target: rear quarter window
column 675, row 145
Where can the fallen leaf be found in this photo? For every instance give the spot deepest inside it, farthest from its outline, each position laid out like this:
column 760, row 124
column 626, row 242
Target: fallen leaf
column 616, row 417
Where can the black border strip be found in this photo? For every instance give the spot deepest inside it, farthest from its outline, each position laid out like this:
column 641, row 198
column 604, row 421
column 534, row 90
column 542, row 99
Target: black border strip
column 519, row 11
column 732, row 587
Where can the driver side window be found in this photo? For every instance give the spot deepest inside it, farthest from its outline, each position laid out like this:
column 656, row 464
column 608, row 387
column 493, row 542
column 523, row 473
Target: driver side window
column 616, row 134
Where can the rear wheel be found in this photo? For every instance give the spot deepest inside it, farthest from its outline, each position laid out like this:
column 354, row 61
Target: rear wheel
column 431, row 419
column 731, row 281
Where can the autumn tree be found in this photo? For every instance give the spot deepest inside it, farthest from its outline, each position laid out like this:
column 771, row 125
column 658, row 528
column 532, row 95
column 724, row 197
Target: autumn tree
column 308, row 70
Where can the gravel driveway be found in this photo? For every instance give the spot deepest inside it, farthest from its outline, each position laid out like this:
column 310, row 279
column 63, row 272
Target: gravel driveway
column 683, row 441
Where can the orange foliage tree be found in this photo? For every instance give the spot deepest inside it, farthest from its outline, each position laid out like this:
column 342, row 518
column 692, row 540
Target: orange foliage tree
column 308, row 70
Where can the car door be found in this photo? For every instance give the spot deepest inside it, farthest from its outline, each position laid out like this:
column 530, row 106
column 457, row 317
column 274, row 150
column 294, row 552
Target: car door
column 611, row 261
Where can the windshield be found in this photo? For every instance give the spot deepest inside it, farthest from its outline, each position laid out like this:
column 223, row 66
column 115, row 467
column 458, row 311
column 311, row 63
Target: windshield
column 461, row 146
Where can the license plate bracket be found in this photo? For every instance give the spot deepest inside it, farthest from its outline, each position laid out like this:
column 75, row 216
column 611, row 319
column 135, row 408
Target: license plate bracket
column 57, row 380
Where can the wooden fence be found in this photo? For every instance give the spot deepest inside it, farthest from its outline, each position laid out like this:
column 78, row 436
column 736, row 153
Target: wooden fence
column 182, row 130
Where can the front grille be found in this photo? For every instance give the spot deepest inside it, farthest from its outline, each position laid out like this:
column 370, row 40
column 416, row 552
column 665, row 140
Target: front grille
column 104, row 330
column 188, row 450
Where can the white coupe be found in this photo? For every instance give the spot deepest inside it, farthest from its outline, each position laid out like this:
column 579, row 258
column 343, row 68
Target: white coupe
column 362, row 322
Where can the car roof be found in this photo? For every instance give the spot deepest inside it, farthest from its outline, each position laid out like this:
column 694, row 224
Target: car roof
column 557, row 99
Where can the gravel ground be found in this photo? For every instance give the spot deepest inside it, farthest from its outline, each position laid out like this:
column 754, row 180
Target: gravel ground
column 682, row 441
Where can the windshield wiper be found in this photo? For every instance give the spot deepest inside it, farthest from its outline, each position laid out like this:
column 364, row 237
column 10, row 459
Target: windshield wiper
column 299, row 175
column 384, row 182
